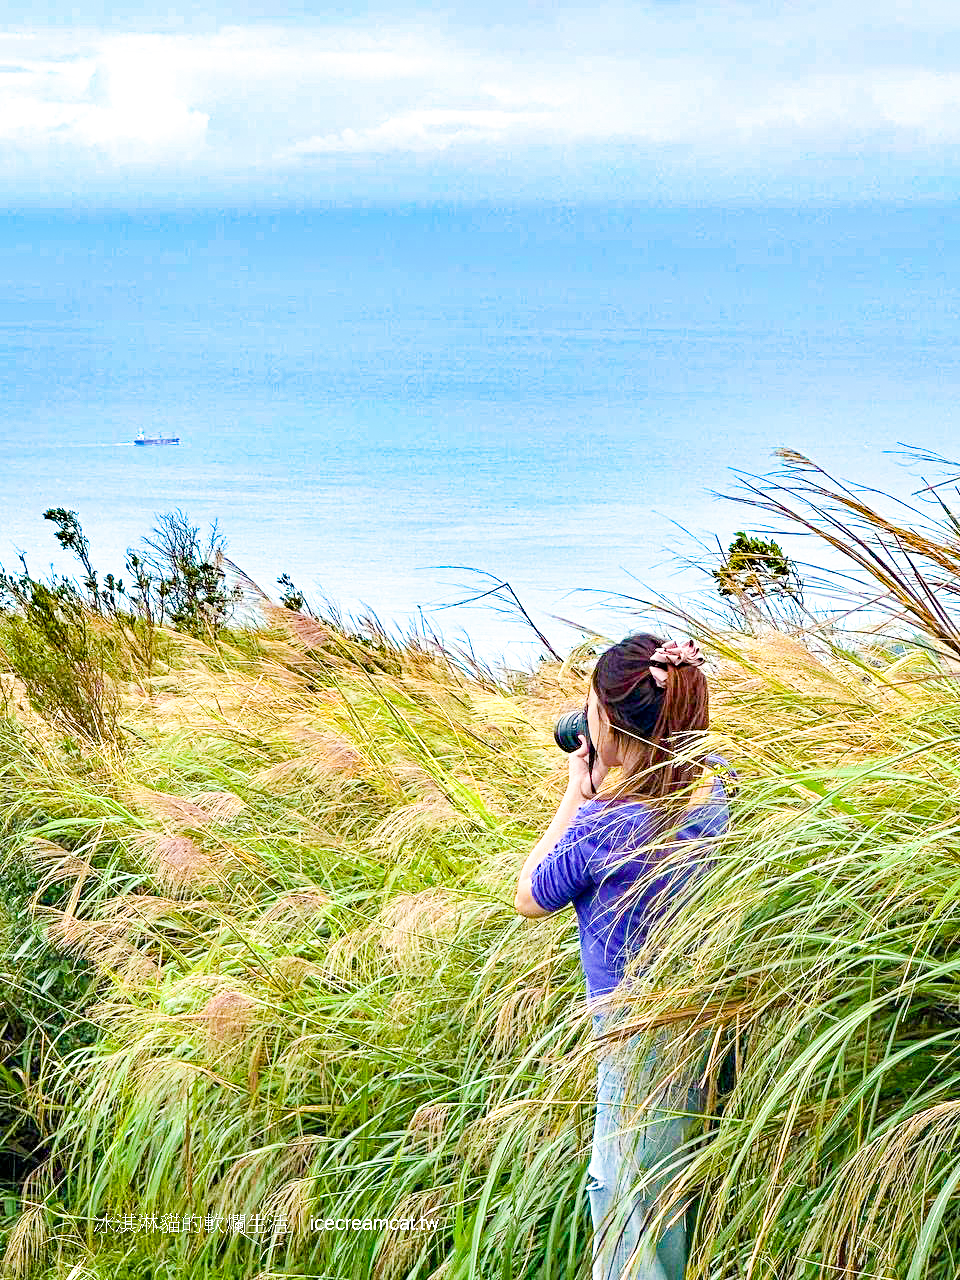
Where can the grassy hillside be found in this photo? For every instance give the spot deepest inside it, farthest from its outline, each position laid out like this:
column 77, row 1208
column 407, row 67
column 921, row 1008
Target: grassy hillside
column 259, row 959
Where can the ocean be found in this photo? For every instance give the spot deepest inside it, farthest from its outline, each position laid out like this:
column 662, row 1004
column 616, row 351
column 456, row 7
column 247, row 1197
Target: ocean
column 547, row 394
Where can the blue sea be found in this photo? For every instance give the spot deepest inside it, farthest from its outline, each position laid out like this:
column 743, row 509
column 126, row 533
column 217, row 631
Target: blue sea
column 547, row 394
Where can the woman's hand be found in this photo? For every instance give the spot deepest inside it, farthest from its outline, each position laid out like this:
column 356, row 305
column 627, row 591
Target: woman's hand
column 578, row 763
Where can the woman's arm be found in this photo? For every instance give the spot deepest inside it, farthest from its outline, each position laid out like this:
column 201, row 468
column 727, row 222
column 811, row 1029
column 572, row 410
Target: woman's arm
column 579, row 789
column 524, row 902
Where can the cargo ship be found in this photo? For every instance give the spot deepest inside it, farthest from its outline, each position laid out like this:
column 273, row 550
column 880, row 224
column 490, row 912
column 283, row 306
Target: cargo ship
column 142, row 439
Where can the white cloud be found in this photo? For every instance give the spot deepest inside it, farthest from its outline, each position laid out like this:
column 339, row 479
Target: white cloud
column 924, row 101
column 734, row 87
column 143, row 99
column 433, row 130
column 122, row 102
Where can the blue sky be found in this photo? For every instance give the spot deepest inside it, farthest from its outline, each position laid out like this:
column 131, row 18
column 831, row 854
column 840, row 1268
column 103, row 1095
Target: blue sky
column 250, row 103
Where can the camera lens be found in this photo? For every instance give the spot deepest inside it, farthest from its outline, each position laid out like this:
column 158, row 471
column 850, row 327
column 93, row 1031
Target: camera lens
column 568, row 729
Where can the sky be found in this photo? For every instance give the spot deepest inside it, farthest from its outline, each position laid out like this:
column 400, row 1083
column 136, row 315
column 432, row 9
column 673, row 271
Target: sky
column 830, row 327
column 247, row 103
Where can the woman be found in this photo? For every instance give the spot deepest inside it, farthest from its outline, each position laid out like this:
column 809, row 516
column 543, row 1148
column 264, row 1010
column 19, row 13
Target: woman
column 646, row 710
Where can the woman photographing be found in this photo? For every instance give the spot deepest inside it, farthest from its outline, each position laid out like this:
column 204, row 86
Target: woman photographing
column 647, row 708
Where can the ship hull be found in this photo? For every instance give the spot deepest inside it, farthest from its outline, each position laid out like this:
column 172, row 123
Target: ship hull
column 175, row 440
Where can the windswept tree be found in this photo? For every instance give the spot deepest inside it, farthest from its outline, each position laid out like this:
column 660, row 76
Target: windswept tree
column 184, row 577
column 292, row 597
column 757, row 569
column 71, row 537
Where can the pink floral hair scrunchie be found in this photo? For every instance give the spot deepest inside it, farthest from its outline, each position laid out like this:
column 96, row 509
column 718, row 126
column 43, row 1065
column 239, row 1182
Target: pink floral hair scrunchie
column 676, row 655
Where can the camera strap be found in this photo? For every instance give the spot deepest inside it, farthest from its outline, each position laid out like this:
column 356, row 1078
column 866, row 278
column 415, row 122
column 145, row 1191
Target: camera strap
column 591, row 753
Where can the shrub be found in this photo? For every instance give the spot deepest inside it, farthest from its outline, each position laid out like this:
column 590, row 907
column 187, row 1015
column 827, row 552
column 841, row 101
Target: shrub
column 49, row 640
column 183, row 579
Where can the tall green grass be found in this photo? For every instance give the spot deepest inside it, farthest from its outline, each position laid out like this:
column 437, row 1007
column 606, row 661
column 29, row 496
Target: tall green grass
column 288, row 980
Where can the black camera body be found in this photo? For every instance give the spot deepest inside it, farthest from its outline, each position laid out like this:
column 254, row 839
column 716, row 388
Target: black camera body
column 568, row 729
column 566, row 735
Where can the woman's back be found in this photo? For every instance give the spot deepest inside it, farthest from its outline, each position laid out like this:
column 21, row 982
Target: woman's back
column 598, row 866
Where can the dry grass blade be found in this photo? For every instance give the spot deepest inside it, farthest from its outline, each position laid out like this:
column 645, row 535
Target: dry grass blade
column 887, row 553
column 218, row 806
column 227, row 1017
column 517, row 1017
column 177, row 861
column 298, row 904
column 414, row 922
column 306, row 631
column 175, row 810
column 321, row 755
column 400, row 1248
column 104, row 943
column 59, row 865
column 429, row 1122
column 26, row 1243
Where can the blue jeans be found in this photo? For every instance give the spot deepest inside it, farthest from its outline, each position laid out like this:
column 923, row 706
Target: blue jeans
column 624, row 1180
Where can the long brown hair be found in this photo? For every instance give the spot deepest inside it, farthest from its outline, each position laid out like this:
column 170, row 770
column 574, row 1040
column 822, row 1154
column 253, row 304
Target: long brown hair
column 658, row 730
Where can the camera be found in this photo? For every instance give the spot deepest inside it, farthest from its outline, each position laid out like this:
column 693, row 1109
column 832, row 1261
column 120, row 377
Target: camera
column 567, row 732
